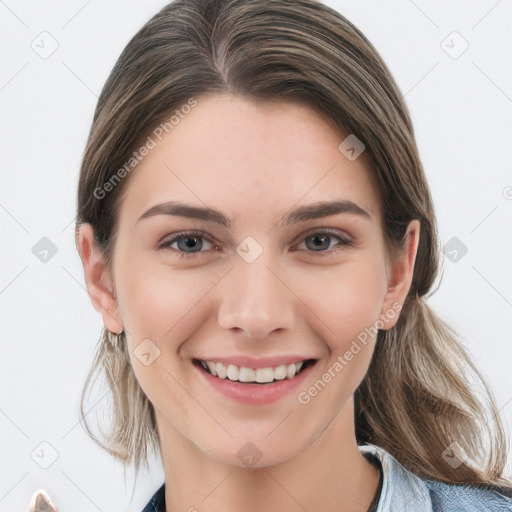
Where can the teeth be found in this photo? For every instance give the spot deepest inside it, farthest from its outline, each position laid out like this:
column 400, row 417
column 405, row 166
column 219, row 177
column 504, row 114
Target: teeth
column 280, row 372
column 220, row 369
column 246, row 374
column 211, row 367
column 232, row 372
column 264, row 375
column 260, row 375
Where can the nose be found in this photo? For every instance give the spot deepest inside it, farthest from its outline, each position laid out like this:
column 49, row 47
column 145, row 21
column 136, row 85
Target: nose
column 256, row 299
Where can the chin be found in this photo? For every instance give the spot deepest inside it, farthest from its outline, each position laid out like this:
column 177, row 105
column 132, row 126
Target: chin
column 256, row 452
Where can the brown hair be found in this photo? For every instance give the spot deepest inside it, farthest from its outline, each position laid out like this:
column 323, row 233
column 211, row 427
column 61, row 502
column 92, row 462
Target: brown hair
column 420, row 392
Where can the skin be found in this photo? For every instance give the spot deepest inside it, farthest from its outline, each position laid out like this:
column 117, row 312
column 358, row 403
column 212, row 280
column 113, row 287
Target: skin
column 254, row 162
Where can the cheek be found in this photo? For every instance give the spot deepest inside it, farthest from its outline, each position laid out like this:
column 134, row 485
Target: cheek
column 165, row 306
column 160, row 302
column 345, row 300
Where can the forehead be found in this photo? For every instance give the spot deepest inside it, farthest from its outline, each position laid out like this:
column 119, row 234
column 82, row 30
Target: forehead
column 249, row 159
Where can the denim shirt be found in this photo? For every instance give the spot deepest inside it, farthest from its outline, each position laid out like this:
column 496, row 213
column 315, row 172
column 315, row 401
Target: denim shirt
column 403, row 491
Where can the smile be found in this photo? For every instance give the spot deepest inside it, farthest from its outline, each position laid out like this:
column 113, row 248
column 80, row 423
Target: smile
column 254, row 375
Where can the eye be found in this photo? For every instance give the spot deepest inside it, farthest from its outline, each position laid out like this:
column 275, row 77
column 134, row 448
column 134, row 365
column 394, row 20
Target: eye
column 188, row 243
column 321, row 242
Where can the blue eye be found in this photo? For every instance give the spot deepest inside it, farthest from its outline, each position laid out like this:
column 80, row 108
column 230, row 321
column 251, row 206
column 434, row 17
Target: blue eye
column 320, row 242
column 189, row 243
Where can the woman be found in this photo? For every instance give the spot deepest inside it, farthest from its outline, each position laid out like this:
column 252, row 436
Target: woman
column 258, row 235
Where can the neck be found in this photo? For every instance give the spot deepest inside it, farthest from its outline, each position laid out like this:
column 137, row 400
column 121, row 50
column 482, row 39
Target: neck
column 330, row 475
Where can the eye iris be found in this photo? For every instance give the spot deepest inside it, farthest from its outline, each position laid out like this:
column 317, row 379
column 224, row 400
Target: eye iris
column 191, row 242
column 320, row 242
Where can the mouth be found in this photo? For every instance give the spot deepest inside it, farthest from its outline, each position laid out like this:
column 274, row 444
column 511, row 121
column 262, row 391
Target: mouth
column 247, row 375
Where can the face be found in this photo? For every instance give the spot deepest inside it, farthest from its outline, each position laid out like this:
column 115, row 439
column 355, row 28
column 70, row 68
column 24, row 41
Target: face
column 268, row 251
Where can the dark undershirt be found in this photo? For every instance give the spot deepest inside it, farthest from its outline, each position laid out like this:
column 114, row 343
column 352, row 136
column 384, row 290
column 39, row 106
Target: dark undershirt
column 376, row 462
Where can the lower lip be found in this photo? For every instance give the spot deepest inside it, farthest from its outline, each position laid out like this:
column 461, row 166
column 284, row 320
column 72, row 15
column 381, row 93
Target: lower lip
column 255, row 394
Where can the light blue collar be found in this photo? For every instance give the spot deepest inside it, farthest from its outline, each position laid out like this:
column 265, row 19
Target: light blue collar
column 401, row 489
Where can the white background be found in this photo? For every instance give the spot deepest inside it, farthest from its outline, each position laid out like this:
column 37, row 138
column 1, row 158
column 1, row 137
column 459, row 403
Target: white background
column 462, row 113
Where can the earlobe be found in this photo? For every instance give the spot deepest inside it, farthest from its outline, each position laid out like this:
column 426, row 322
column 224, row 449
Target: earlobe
column 98, row 282
column 400, row 276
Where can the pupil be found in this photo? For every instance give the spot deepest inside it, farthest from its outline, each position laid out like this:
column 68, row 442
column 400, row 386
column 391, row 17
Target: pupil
column 189, row 243
column 320, row 242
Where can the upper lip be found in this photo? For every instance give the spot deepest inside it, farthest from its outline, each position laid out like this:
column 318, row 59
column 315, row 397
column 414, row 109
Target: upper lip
column 251, row 362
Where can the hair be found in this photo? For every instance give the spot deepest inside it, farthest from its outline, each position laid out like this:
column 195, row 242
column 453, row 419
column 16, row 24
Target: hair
column 422, row 392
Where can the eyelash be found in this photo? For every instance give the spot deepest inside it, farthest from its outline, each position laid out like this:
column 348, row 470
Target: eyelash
column 343, row 242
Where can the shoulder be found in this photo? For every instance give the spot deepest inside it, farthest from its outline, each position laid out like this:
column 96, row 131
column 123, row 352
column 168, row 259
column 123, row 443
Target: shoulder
column 466, row 498
column 405, row 491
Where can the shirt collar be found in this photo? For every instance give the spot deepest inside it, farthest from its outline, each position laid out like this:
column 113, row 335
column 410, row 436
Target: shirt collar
column 401, row 489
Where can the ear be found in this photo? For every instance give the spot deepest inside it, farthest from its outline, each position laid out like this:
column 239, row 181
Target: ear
column 400, row 275
column 97, row 279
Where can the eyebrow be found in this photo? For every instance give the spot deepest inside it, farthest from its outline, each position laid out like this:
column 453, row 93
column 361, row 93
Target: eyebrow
column 310, row 212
